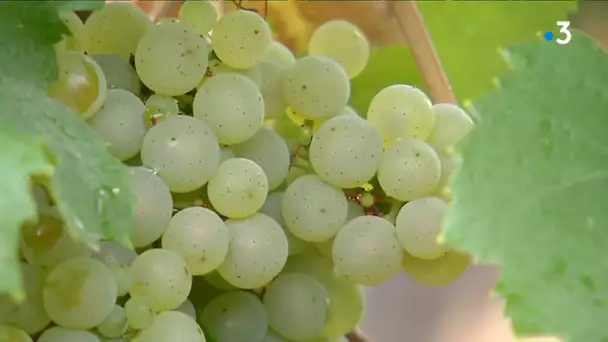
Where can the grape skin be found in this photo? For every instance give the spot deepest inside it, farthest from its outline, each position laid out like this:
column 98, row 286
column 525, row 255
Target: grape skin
column 201, row 15
column 139, row 312
column 436, row 272
column 272, row 89
column 115, row 324
column 254, row 73
column 59, row 334
column 273, row 208
column 240, row 39
column 452, row 123
column 238, row 188
column 172, row 326
column 119, row 73
column 76, row 40
column 279, row 54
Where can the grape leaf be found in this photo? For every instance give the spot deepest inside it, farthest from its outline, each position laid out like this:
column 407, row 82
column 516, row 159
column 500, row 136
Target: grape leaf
column 387, row 65
column 467, row 35
column 22, row 158
column 531, row 190
column 89, row 186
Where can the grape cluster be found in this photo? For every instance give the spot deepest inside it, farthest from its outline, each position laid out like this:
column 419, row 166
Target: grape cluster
column 264, row 202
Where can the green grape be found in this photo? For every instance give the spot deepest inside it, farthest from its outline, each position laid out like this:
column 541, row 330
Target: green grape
column 216, row 280
column 111, row 252
column 316, row 87
column 367, row 251
column 158, row 108
column 401, row 111
column 183, row 150
column 60, row 334
column 348, row 111
column 275, row 104
column 11, row 334
column 452, row 123
column 235, row 316
column 162, row 276
column 46, row 243
column 139, row 312
column 167, row 20
column 76, row 39
column 267, row 149
column 258, row 251
column 119, row 73
column 188, row 309
column 314, row 210
column 122, row 275
column 81, row 85
column 172, row 326
column 28, row 315
column 448, row 165
column 171, row 59
column 200, row 236
column 418, row 224
column 273, row 208
column 240, row 39
column 343, row 42
column 296, row 305
column 346, row 299
column 272, row 336
column 153, row 209
column 216, row 67
column 117, row 28
column 115, row 324
column 345, row 152
column 226, row 153
column 279, row 54
column 437, row 272
column 121, row 122
column 79, row 293
column 238, row 188
column 200, row 15
column 232, row 106
column 409, row 169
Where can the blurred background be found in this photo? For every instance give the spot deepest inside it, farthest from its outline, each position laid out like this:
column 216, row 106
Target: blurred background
column 401, row 310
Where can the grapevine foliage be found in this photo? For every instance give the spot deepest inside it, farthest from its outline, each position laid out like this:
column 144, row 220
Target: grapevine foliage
column 88, row 185
column 531, row 190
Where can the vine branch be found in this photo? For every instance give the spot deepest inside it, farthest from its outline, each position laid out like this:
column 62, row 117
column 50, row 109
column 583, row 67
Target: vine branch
column 411, row 24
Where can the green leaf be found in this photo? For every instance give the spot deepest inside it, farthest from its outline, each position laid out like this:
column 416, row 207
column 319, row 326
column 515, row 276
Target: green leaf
column 532, row 188
column 22, row 158
column 467, row 35
column 89, row 186
column 387, row 65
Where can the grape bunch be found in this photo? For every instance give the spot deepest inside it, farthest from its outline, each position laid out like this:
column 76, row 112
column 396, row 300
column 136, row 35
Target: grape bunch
column 265, row 204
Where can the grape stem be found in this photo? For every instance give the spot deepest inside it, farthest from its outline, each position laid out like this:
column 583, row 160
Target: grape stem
column 411, row 25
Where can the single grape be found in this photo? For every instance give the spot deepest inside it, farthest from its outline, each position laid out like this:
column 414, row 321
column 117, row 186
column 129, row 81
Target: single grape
column 267, row 149
column 162, row 276
column 448, row 165
column 122, row 275
column 401, row 111
column 232, row 106
column 81, row 85
column 316, row 87
column 216, row 67
column 437, row 272
column 115, row 324
column 273, row 208
column 46, row 243
column 345, row 151
column 158, row 108
column 343, row 42
column 367, row 251
column 79, row 293
column 119, row 73
column 11, row 334
column 171, row 59
column 200, row 15
column 200, row 236
column 112, row 252
column 120, row 120
column 409, row 169
column 238, row 189
column 279, row 54
column 418, row 225
column 240, row 39
column 235, row 316
column 139, row 312
column 60, row 334
column 452, row 123
column 154, row 207
column 187, row 308
column 258, row 251
column 172, row 326
column 116, row 28
column 296, row 305
column 28, row 315
column 183, row 150
column 314, row 210
column 76, row 39
column 272, row 89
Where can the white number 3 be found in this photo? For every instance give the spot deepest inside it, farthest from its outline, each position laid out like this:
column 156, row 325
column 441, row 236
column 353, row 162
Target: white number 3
column 564, row 25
